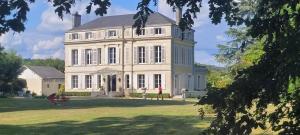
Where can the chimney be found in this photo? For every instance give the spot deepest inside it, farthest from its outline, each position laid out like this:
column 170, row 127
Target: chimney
column 76, row 20
column 178, row 14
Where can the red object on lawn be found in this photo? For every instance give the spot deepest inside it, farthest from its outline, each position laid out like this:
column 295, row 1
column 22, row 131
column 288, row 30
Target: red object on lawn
column 55, row 99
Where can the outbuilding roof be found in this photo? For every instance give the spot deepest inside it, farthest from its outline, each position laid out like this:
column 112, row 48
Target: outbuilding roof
column 46, row 72
column 123, row 20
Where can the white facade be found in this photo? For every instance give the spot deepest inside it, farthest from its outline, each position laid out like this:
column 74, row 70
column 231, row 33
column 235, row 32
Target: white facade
column 116, row 60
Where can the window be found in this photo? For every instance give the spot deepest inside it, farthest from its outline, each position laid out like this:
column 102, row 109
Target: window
column 75, row 36
column 74, row 81
column 75, row 57
column 112, row 55
column 141, row 54
column 48, row 86
column 141, row 81
column 88, row 81
column 176, row 55
column 88, row 35
column 127, row 81
column 88, row 56
column 143, row 32
column 157, row 54
column 112, row 33
column 157, row 80
column 157, row 31
column 59, row 86
column 99, row 81
column 99, row 55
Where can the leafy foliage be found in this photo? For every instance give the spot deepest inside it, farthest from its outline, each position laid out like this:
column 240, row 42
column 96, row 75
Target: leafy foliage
column 56, row 63
column 270, row 80
column 10, row 65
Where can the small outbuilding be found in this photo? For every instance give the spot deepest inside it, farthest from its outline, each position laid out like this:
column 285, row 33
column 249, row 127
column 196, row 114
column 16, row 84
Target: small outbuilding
column 42, row 80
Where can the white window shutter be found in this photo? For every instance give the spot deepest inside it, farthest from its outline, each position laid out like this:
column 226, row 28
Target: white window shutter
column 152, row 54
column 163, row 31
column 68, row 56
column 93, row 35
column 106, row 33
column 95, row 56
column 117, row 55
column 163, row 57
column 79, row 36
column 134, row 83
column 135, row 55
column 163, row 81
column 70, row 36
column 147, row 81
column 146, row 54
column 151, row 81
column 152, row 31
column 83, row 57
column 127, row 55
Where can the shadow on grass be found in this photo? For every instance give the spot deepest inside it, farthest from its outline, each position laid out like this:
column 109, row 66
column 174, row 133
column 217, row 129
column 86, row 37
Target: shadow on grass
column 152, row 125
column 10, row 105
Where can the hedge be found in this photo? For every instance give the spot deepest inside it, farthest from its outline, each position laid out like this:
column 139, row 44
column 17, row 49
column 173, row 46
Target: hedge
column 149, row 95
column 77, row 93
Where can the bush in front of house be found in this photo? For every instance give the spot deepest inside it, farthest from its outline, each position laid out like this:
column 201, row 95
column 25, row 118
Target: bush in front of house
column 77, row 93
column 149, row 95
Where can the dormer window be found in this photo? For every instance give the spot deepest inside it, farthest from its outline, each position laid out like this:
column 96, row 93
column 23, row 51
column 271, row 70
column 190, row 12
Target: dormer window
column 112, row 33
column 143, row 32
column 157, row 31
column 75, row 36
column 88, row 35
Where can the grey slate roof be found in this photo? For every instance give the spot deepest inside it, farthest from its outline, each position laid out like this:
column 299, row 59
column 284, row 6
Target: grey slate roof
column 46, row 72
column 123, row 20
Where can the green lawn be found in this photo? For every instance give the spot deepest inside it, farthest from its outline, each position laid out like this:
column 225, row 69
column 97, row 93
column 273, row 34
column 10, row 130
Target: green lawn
column 100, row 116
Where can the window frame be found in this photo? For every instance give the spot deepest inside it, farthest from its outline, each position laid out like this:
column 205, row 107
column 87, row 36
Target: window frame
column 141, row 54
column 73, row 58
column 75, row 36
column 141, row 80
column 74, row 81
column 112, row 56
column 88, row 81
column 158, row 54
column 112, row 33
column 88, row 35
column 157, row 80
column 157, row 31
column 127, row 81
column 88, row 56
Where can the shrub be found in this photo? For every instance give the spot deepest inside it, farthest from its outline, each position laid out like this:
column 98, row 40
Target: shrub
column 33, row 94
column 77, row 93
column 149, row 95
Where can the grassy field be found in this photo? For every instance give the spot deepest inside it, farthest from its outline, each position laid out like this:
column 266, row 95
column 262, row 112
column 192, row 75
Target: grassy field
column 100, row 116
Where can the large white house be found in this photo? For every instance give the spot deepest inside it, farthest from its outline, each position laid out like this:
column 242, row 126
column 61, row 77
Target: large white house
column 107, row 55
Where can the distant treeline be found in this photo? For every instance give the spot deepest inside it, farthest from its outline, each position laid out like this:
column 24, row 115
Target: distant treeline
column 56, row 63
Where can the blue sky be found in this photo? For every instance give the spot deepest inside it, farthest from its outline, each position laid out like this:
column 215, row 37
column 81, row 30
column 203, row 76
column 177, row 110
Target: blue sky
column 43, row 37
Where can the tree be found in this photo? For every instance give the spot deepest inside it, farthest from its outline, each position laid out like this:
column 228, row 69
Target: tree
column 10, row 65
column 56, row 63
column 274, row 79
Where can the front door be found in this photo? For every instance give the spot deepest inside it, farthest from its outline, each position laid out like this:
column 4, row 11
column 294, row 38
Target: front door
column 111, row 82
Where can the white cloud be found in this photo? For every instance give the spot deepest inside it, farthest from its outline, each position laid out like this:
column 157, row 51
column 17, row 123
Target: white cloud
column 50, row 22
column 205, row 58
column 11, row 40
column 43, row 45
